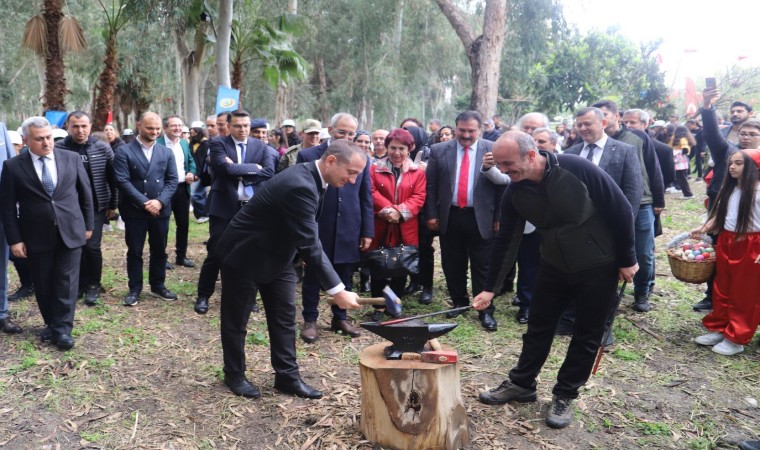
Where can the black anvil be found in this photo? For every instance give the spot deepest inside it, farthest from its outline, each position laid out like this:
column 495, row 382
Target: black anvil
column 408, row 336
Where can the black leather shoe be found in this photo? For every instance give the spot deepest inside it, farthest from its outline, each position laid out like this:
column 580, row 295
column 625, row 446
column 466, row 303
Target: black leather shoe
column 7, row 326
column 641, row 302
column 164, row 293
column 169, row 266
column 522, row 315
column 297, row 388
column 412, row 288
column 184, row 262
column 488, row 322
column 201, row 305
column 453, row 314
column 749, row 445
column 46, row 335
column 64, row 342
column 426, row 297
column 131, row 299
column 242, row 387
column 91, row 295
column 22, row 292
column 704, row 305
column 507, row 392
column 255, row 308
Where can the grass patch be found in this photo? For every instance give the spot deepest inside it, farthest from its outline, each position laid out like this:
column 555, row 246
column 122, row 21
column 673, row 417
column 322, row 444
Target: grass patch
column 653, row 428
column 626, row 355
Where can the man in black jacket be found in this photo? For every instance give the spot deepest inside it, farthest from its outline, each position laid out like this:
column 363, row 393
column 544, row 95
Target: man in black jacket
column 587, row 231
column 97, row 157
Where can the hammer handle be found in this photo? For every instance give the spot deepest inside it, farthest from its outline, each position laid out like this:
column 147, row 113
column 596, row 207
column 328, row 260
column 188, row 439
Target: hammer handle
column 363, row 301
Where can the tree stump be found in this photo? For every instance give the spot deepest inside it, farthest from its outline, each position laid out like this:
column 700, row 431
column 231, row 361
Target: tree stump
column 411, row 404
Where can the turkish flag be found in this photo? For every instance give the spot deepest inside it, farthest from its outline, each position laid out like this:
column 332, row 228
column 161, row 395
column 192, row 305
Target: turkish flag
column 690, row 97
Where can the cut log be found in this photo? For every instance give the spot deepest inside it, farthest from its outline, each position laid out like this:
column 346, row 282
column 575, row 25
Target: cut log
column 411, row 405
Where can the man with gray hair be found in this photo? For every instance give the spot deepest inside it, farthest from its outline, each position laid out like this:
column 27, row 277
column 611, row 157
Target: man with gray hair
column 572, row 267
column 346, row 226
column 48, row 216
column 530, row 121
column 546, row 139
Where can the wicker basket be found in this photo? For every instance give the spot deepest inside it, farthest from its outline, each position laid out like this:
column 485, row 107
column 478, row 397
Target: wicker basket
column 694, row 272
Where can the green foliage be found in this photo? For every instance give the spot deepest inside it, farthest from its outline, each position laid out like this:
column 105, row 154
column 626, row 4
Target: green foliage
column 654, row 428
column 579, row 70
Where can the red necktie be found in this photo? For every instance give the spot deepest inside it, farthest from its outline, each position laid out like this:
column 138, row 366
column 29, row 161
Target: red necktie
column 464, row 179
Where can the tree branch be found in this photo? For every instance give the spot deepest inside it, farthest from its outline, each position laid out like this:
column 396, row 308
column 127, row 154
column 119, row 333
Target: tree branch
column 457, row 20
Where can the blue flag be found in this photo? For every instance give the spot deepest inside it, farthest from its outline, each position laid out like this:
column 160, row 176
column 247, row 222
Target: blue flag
column 56, row 118
column 227, row 99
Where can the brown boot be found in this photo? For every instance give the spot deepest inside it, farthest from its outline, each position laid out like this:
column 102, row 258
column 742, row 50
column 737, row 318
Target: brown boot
column 345, row 327
column 309, row 332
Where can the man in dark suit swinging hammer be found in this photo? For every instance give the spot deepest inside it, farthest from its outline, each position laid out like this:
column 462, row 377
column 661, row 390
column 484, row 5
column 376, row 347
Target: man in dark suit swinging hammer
column 257, row 250
column 55, row 218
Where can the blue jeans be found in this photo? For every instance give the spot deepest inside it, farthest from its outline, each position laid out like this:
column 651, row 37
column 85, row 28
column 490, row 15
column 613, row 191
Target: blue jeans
column 4, row 274
column 644, row 249
column 198, row 199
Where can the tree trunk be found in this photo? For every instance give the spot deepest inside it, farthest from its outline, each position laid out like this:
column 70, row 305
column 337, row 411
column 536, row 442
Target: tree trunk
column 483, row 52
column 191, row 71
column 106, row 85
column 293, row 6
column 281, row 104
column 223, row 36
column 399, row 21
column 55, row 81
column 237, row 72
column 409, row 404
column 324, row 112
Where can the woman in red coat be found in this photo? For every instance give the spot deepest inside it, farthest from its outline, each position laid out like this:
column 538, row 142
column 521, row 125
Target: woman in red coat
column 398, row 193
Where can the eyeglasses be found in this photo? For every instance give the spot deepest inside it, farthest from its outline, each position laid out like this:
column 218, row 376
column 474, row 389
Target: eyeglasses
column 749, row 135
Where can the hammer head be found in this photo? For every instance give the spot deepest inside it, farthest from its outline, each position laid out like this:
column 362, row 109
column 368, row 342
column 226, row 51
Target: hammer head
column 392, row 302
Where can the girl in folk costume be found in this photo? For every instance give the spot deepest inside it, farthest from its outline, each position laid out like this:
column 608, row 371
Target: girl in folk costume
column 736, row 289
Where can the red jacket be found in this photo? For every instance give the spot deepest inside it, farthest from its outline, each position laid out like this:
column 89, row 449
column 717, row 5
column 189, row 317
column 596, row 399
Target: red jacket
column 407, row 197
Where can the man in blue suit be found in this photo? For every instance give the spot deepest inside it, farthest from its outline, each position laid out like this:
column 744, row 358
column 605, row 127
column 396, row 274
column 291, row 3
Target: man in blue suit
column 240, row 165
column 147, row 177
column 346, row 225
column 6, row 325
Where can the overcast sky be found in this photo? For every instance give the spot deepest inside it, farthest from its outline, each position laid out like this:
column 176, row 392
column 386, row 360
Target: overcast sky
column 716, row 36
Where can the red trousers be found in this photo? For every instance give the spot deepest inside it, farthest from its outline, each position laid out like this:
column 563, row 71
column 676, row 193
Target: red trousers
column 736, row 288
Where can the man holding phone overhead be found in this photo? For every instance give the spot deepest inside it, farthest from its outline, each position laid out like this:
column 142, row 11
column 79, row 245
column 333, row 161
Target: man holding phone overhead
column 739, row 112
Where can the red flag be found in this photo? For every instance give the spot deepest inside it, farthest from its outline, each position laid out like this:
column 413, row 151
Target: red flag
column 690, row 97
column 110, row 117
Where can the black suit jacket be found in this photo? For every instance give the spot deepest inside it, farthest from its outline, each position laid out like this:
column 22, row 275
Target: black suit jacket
column 40, row 218
column 140, row 180
column 263, row 237
column 223, row 196
column 621, row 162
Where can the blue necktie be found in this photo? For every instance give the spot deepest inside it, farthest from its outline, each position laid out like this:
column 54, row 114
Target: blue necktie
column 248, row 189
column 590, row 155
column 47, row 180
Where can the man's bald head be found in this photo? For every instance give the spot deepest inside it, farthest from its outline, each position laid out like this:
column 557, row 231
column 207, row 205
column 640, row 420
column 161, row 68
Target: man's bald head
column 149, row 127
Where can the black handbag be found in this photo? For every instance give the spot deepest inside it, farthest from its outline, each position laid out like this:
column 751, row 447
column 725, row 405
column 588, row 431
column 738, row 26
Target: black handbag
column 392, row 262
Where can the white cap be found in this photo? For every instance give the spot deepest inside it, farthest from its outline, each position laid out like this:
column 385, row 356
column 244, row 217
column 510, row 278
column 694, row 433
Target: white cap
column 324, row 134
column 658, row 123
column 15, row 137
column 59, row 133
column 197, row 124
column 288, row 123
column 185, row 129
column 127, row 132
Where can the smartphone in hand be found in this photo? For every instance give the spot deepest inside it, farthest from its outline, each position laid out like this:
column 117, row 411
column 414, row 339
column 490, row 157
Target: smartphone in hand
column 710, row 83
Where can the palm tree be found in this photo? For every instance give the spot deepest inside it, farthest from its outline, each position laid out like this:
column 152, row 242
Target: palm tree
column 50, row 34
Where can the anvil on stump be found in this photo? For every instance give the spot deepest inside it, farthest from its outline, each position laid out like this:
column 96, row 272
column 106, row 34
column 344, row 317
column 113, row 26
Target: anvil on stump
column 408, row 336
column 410, row 404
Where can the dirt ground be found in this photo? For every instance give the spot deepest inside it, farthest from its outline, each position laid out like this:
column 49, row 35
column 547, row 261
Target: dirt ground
column 148, row 377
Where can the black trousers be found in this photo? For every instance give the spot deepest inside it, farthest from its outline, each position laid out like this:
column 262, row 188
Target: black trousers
column 279, row 297
column 55, row 274
column 594, row 294
column 181, row 210
column 22, row 270
column 135, row 231
column 91, row 265
column 311, row 287
column 426, row 253
column 210, row 268
column 463, row 244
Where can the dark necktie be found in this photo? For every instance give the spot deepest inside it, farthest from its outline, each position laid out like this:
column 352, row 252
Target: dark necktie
column 590, row 155
column 47, row 180
column 248, row 189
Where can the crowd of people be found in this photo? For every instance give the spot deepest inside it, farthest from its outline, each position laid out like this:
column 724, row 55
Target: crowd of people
column 567, row 210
